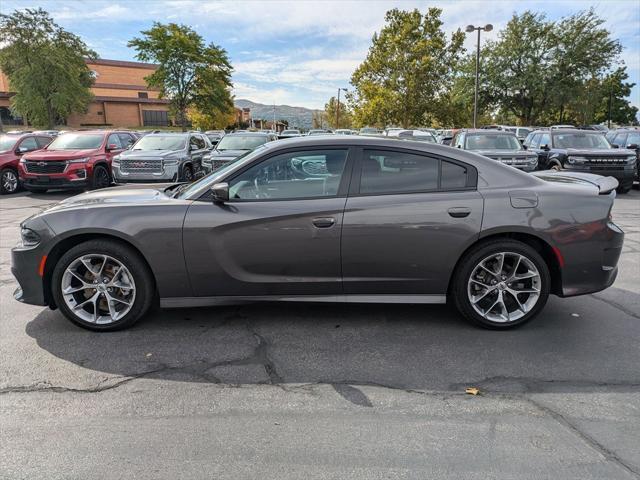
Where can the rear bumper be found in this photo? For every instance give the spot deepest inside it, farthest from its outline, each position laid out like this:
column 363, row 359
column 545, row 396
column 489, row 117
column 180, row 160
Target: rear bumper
column 592, row 266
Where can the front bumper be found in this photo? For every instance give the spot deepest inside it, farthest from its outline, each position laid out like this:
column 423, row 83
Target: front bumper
column 624, row 174
column 169, row 174
column 25, row 267
column 54, row 182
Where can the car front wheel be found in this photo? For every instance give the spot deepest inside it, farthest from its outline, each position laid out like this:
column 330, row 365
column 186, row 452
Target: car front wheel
column 9, row 182
column 102, row 285
column 501, row 284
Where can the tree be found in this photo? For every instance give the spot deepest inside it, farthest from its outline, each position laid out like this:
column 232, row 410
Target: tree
column 189, row 73
column 45, row 66
column 344, row 114
column 216, row 120
column 319, row 119
column 409, row 66
column 537, row 66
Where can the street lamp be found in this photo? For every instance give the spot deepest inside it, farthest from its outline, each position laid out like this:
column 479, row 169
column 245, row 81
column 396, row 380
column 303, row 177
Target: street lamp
column 338, row 109
column 470, row 28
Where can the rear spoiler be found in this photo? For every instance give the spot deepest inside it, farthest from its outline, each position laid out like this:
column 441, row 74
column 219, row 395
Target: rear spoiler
column 605, row 185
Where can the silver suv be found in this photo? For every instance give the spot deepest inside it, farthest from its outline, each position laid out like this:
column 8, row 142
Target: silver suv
column 161, row 157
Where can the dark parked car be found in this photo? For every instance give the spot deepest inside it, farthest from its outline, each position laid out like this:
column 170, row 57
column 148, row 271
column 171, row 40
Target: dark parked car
column 628, row 138
column 12, row 147
column 215, row 136
column 74, row 160
column 371, row 220
column 499, row 145
column 233, row 146
column 582, row 151
column 161, row 157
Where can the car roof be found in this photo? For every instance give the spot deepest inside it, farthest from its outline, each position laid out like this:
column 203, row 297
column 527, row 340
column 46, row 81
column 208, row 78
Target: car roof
column 170, row 134
column 248, row 134
column 487, row 131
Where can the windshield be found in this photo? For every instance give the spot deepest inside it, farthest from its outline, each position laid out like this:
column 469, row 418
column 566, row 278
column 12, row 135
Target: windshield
column 160, row 142
column 75, row 141
column 492, row 142
column 580, row 140
column 211, row 178
column 7, row 143
column 291, row 132
column 241, row 142
column 368, row 130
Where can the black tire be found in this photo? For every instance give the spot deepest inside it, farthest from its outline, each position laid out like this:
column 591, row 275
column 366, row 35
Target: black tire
column 622, row 189
column 555, row 167
column 100, row 178
column 142, row 276
column 36, row 189
column 187, row 174
column 469, row 262
column 9, row 181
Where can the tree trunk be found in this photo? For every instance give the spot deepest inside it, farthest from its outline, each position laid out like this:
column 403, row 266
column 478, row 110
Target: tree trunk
column 51, row 119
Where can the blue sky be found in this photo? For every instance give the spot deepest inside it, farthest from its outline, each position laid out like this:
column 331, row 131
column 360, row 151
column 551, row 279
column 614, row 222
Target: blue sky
column 299, row 53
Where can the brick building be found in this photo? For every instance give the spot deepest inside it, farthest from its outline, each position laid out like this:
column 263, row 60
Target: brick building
column 122, row 98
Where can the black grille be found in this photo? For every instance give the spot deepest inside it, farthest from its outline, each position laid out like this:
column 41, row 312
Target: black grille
column 45, row 167
column 606, row 162
column 141, row 165
column 216, row 164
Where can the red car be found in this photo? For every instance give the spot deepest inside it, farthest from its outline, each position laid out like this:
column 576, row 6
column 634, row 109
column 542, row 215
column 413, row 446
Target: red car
column 12, row 147
column 74, row 160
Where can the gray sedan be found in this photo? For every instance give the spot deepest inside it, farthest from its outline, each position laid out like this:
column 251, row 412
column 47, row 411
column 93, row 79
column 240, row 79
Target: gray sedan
column 327, row 219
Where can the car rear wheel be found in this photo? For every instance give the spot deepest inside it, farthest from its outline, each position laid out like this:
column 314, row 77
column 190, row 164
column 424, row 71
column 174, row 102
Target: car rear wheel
column 102, row 285
column 101, row 178
column 501, row 284
column 9, row 181
column 187, row 174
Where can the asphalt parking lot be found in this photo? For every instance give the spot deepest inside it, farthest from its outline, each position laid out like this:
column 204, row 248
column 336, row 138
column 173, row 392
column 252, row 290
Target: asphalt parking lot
column 323, row 391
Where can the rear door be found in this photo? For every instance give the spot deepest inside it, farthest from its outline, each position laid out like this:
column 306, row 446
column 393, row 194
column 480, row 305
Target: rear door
column 279, row 234
column 408, row 219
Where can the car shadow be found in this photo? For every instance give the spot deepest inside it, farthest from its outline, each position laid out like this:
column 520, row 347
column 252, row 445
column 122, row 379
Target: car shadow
column 397, row 346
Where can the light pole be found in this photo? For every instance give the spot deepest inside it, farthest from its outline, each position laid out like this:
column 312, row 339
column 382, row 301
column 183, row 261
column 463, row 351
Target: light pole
column 338, row 108
column 470, row 28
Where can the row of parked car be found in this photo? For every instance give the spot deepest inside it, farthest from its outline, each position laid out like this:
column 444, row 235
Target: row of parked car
column 94, row 159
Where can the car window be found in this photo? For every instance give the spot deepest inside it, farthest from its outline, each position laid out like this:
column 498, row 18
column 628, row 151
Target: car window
column 545, row 139
column 633, row 139
column 619, row 139
column 43, row 141
column 453, row 176
column 28, row 144
column 126, row 140
column 397, row 172
column 114, row 140
column 199, row 142
column 308, row 174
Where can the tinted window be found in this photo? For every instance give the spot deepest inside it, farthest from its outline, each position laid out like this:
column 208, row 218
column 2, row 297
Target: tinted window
column 308, row 174
column 619, row 139
column 397, row 172
column 453, row 176
column 484, row 141
column 114, row 140
column 29, row 144
column 43, row 141
column 200, row 142
column 126, row 140
column 7, row 142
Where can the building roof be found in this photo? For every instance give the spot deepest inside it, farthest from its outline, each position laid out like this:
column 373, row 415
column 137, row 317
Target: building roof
column 121, row 63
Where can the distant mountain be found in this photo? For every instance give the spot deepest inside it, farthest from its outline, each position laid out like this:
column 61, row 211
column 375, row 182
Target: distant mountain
column 299, row 117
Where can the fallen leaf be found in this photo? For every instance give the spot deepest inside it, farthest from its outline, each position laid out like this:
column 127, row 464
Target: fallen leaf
column 472, row 391
column 575, row 314
column 148, row 355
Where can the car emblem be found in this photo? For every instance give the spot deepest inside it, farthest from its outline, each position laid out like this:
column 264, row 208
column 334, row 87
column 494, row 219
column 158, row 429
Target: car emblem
column 42, row 164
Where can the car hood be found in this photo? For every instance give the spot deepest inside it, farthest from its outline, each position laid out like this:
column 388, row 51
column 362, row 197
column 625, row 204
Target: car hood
column 226, row 153
column 123, row 195
column 52, row 155
column 506, row 153
column 609, row 152
column 132, row 154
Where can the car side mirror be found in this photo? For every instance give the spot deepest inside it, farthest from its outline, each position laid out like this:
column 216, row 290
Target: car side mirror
column 220, row 192
column 22, row 150
column 615, row 145
column 112, row 146
column 632, row 146
column 544, row 147
column 524, row 147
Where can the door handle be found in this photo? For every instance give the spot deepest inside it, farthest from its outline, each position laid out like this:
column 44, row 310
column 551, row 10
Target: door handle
column 459, row 212
column 324, row 222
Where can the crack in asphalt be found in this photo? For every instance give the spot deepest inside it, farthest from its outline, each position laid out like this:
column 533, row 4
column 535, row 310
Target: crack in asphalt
column 616, row 305
column 585, row 437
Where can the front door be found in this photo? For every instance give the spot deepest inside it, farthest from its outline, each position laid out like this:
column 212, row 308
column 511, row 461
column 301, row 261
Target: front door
column 407, row 223
column 279, row 234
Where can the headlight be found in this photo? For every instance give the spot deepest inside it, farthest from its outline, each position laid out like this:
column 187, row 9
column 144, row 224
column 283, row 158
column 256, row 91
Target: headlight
column 631, row 159
column 29, row 237
column 79, row 160
column 22, row 161
column 171, row 161
column 116, row 160
column 577, row 159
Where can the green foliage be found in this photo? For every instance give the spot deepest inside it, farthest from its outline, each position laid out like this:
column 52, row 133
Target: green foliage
column 408, row 70
column 45, row 66
column 190, row 73
column 345, row 119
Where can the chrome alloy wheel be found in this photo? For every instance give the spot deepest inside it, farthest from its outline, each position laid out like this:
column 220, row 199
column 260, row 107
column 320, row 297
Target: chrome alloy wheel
column 9, row 181
column 504, row 287
column 98, row 289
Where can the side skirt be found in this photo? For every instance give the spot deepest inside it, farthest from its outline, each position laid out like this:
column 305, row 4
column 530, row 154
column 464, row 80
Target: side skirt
column 180, row 302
